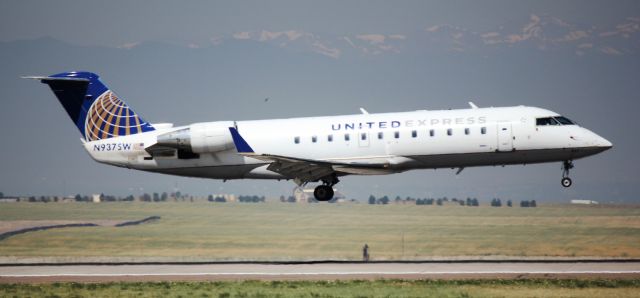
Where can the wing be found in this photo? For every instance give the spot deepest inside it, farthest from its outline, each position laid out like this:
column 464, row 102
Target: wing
column 307, row 170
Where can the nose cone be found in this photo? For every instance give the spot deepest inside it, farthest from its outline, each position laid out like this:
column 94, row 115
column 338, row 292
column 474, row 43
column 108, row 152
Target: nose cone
column 586, row 138
column 603, row 143
column 597, row 141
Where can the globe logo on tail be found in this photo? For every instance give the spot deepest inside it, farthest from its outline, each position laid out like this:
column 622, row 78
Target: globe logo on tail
column 110, row 117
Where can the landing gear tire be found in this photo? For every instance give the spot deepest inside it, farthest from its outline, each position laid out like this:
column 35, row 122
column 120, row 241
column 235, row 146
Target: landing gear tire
column 566, row 166
column 323, row 193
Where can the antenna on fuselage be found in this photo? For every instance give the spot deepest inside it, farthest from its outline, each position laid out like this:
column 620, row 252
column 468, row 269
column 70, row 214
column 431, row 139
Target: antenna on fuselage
column 364, row 111
column 473, row 105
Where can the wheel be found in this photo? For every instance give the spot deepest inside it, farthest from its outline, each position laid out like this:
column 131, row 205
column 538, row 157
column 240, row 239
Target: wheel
column 566, row 182
column 323, row 193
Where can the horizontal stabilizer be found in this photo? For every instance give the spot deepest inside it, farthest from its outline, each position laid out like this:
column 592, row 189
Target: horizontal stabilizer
column 43, row 79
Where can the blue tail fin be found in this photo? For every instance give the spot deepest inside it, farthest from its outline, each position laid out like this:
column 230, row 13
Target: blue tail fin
column 96, row 111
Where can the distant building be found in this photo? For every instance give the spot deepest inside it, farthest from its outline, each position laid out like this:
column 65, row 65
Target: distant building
column 584, row 202
column 9, row 199
column 68, row 199
column 96, row 198
column 227, row 197
column 300, row 195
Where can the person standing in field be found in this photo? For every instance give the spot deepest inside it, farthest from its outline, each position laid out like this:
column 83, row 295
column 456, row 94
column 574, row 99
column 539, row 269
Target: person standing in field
column 365, row 253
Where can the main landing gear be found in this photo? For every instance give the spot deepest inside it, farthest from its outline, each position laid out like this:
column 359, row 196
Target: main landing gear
column 566, row 166
column 324, row 192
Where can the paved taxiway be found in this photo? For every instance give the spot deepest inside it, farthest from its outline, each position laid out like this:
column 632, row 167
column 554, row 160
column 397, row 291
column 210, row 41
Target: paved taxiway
column 243, row 271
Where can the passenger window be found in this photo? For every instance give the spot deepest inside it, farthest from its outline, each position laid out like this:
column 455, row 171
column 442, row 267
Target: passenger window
column 314, row 139
column 414, row 134
column 432, row 133
column 296, row 140
column 330, row 138
column 346, row 137
column 380, row 136
column 449, row 131
column 396, row 134
column 466, row 131
column 483, row 130
column 363, row 136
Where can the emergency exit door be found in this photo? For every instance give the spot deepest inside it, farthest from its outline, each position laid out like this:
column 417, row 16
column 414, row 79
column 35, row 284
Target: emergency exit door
column 505, row 137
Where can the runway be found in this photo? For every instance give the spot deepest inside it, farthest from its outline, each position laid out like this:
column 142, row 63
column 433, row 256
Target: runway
column 321, row 271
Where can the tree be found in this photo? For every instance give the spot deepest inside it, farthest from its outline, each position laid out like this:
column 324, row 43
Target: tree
column 1, row 195
column 372, row 199
column 156, row 197
column 164, row 196
column 439, row 202
column 509, row 204
column 291, row 199
column 533, row 203
column 146, row 197
column 475, row 202
column 210, row 198
column 78, row 198
column 282, row 198
column 384, row 200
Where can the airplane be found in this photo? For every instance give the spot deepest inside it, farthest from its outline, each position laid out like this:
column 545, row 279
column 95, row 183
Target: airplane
column 319, row 149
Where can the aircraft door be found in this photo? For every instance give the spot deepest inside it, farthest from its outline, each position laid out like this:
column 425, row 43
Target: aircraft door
column 505, row 137
column 363, row 139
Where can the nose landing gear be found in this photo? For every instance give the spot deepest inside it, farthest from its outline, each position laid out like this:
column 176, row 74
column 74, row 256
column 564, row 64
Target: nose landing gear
column 566, row 166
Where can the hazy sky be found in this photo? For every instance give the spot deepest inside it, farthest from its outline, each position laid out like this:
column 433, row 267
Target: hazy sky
column 115, row 23
column 188, row 61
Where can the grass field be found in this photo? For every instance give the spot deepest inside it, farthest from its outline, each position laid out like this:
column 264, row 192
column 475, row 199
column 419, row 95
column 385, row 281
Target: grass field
column 279, row 231
column 379, row 288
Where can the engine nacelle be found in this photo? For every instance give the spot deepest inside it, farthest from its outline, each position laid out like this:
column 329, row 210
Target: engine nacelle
column 199, row 138
column 211, row 137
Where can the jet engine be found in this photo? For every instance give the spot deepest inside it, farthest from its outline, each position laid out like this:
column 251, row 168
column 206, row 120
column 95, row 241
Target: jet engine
column 196, row 139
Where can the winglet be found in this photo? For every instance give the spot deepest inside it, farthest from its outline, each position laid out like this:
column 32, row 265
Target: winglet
column 241, row 144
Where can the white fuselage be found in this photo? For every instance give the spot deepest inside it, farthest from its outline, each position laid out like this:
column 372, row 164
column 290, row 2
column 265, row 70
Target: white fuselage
column 403, row 141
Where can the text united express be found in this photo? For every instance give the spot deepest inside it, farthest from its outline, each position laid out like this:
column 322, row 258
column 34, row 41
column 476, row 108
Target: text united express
column 408, row 123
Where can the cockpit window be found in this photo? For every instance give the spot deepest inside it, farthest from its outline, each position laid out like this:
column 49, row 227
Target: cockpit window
column 558, row 120
column 546, row 121
column 564, row 120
